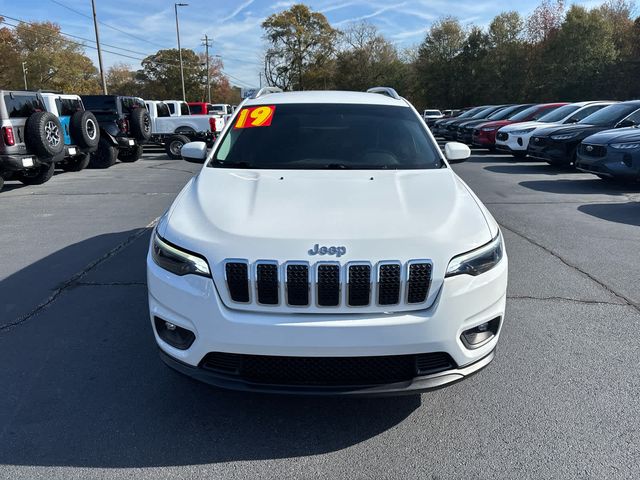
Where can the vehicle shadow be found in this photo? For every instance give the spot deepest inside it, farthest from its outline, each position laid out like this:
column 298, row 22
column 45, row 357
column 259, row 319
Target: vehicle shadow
column 626, row 213
column 581, row 186
column 517, row 167
column 83, row 386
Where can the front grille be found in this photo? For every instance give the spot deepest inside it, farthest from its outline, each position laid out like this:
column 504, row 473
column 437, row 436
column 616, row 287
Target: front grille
column 593, row 150
column 502, row 136
column 476, row 131
column 329, row 284
column 326, row 371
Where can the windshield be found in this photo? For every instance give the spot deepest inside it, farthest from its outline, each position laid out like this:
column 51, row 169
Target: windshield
column 196, row 108
column 610, row 115
column 216, row 108
column 471, row 113
column 327, row 136
column 485, row 112
column 558, row 114
column 529, row 114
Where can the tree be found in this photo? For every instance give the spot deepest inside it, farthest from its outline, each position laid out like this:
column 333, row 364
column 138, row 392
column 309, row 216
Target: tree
column 160, row 75
column 545, row 20
column 366, row 59
column 121, row 80
column 301, row 48
column 508, row 58
column 52, row 61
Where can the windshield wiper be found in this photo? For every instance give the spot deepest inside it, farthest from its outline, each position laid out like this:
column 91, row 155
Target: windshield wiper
column 338, row 166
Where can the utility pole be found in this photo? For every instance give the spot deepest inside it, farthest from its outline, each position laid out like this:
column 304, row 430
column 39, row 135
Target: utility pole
column 175, row 6
column 206, row 50
column 95, row 25
column 24, row 74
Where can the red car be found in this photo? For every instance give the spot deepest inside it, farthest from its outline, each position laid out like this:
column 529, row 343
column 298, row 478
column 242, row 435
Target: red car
column 484, row 135
column 199, row 108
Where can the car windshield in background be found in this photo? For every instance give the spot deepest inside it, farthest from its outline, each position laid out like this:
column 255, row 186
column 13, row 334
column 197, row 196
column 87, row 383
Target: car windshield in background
column 525, row 114
column 184, row 109
column 559, row 114
column 483, row 113
column 216, row 109
column 610, row 115
column 19, row 106
column 330, row 136
column 503, row 113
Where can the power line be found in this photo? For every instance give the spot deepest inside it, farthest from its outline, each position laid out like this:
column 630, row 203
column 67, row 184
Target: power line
column 107, row 25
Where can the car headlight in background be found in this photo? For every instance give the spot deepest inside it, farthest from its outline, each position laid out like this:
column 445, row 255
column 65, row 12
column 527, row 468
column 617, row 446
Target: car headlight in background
column 564, row 136
column 489, row 129
column 523, row 131
column 625, row 146
column 177, row 261
column 477, row 261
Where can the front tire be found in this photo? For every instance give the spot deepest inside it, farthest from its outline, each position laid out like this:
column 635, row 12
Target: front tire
column 174, row 145
column 105, row 156
column 38, row 175
column 130, row 155
column 76, row 164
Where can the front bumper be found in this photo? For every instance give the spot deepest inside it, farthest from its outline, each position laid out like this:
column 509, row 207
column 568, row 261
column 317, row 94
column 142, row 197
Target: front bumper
column 484, row 139
column 616, row 164
column 513, row 144
column 416, row 385
column 463, row 302
column 552, row 151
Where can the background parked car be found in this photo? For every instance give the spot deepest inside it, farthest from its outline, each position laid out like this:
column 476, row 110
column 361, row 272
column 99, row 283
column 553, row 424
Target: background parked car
column 486, row 115
column 559, row 145
column 124, row 126
column 440, row 127
column 465, row 129
column 79, row 127
column 514, row 139
column 612, row 154
column 430, row 116
column 32, row 138
column 450, row 131
column 484, row 135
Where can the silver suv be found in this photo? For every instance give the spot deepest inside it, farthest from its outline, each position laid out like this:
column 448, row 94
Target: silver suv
column 32, row 138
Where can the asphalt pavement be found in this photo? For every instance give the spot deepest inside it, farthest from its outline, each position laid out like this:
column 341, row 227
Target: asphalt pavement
column 83, row 394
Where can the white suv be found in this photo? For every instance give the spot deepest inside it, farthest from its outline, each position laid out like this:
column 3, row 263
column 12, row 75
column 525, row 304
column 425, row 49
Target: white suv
column 327, row 247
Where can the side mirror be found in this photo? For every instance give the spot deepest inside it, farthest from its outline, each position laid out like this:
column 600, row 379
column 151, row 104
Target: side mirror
column 194, row 152
column 456, row 152
column 626, row 123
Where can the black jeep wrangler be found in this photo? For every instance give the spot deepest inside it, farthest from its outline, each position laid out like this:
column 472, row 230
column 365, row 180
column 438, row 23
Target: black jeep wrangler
column 124, row 127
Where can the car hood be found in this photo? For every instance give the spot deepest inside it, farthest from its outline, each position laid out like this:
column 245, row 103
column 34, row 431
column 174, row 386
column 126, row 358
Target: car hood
column 619, row 135
column 583, row 130
column 522, row 125
column 281, row 214
column 495, row 124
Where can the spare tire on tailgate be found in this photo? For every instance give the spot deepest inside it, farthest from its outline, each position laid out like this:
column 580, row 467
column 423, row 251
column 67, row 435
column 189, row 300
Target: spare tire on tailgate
column 84, row 129
column 140, row 124
column 43, row 134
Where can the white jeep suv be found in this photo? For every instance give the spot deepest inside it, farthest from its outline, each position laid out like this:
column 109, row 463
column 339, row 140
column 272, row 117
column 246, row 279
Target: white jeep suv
column 327, row 247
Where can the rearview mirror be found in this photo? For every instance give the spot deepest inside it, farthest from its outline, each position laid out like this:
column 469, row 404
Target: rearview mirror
column 194, row 152
column 456, row 152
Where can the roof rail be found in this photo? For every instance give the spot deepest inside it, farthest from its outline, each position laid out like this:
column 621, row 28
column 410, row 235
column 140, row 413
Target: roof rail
column 388, row 91
column 266, row 90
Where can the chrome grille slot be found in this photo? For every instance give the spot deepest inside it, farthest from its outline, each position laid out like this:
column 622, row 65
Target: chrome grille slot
column 297, row 284
column 389, row 283
column 358, row 285
column 267, row 283
column 419, row 281
column 237, row 276
column 328, row 285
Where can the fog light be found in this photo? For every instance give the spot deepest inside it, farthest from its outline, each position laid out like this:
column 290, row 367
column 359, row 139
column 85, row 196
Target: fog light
column 480, row 335
column 176, row 336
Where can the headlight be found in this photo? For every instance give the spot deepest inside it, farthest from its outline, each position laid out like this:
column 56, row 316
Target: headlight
column 489, row 129
column 625, row 146
column 523, row 131
column 177, row 261
column 564, row 136
column 477, row 261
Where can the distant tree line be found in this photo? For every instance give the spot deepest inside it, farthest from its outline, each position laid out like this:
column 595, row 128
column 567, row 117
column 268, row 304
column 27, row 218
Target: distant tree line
column 556, row 53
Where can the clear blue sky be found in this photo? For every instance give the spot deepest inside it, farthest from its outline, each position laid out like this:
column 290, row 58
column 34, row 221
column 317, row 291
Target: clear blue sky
column 234, row 26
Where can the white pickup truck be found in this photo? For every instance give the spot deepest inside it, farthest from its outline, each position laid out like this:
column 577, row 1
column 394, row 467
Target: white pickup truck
column 174, row 130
